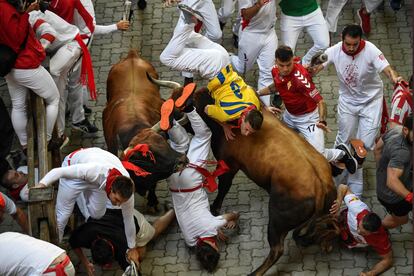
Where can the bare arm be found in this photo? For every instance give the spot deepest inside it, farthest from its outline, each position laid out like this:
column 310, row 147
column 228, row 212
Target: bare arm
column 266, row 90
column 383, row 265
column 394, row 182
column 392, row 74
column 85, row 262
column 378, row 149
column 249, row 13
column 343, row 190
column 21, row 218
column 322, row 116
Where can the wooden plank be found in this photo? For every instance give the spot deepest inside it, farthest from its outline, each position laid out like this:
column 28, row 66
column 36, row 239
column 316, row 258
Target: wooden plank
column 47, row 207
column 31, row 209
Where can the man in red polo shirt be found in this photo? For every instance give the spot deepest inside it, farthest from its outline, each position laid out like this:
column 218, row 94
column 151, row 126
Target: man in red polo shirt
column 360, row 228
column 305, row 107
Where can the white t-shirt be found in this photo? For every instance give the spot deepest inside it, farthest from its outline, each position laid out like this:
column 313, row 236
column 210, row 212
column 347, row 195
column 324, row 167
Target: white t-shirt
column 194, row 217
column 263, row 21
column 355, row 206
column 10, row 209
column 92, row 166
column 25, row 255
column 359, row 80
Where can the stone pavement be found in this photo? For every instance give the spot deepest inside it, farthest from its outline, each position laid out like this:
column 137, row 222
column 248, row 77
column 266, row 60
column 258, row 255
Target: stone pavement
column 150, row 32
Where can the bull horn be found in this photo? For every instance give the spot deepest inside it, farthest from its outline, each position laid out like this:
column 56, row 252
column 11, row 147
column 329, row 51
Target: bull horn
column 170, row 84
column 156, row 127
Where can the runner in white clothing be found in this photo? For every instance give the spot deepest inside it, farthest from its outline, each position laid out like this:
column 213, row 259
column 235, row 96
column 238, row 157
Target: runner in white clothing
column 358, row 64
column 99, row 175
column 209, row 25
column 64, row 44
column 257, row 40
column 30, row 256
column 199, row 227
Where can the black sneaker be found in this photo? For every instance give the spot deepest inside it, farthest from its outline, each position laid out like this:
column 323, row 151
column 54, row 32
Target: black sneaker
column 395, row 4
column 87, row 110
column 142, row 4
column 85, row 126
column 350, row 162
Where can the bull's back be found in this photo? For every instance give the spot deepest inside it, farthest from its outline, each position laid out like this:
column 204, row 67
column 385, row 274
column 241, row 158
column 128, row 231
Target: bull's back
column 133, row 102
column 279, row 157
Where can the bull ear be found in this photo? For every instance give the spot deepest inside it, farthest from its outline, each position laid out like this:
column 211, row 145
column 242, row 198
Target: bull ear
column 164, row 83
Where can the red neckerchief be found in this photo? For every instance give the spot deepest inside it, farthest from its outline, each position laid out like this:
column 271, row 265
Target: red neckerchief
column 210, row 178
column 244, row 113
column 144, row 149
column 361, row 46
column 200, row 240
column 59, row 268
column 112, row 175
column 15, row 193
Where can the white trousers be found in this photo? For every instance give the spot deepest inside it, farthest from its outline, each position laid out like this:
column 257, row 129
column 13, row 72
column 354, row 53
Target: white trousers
column 198, row 150
column 75, row 97
column 335, row 7
column 60, row 65
column 360, row 122
column 211, row 25
column 306, row 125
column 68, row 193
column 226, row 11
column 192, row 52
column 19, row 82
column 315, row 26
column 258, row 47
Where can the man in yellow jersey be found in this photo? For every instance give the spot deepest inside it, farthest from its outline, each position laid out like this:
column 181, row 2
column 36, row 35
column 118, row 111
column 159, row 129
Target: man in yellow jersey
column 236, row 104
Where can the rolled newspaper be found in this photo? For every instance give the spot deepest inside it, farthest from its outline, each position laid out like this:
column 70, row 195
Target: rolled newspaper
column 127, row 9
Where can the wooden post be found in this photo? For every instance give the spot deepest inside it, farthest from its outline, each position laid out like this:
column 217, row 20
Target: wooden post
column 31, row 208
column 42, row 217
column 48, row 207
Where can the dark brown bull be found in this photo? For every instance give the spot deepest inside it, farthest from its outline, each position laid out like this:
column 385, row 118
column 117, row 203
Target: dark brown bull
column 133, row 107
column 297, row 178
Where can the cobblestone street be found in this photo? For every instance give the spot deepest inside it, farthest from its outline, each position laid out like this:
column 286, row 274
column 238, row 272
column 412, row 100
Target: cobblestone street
column 245, row 251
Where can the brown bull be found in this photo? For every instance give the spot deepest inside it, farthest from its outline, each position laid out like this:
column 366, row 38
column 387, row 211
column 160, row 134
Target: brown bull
column 297, row 178
column 133, row 107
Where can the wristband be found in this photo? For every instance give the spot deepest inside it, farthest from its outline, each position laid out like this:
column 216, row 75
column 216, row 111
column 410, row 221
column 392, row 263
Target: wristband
column 324, row 123
column 409, row 198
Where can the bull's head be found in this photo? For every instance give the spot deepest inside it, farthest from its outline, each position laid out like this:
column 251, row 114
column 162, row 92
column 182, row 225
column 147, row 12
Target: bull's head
column 160, row 164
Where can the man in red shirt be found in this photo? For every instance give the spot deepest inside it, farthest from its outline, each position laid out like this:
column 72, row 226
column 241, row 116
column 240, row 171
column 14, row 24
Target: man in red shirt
column 360, row 228
column 305, row 107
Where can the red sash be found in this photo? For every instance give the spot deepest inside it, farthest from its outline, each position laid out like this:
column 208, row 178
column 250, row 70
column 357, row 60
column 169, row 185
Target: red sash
column 59, row 268
column 87, row 76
